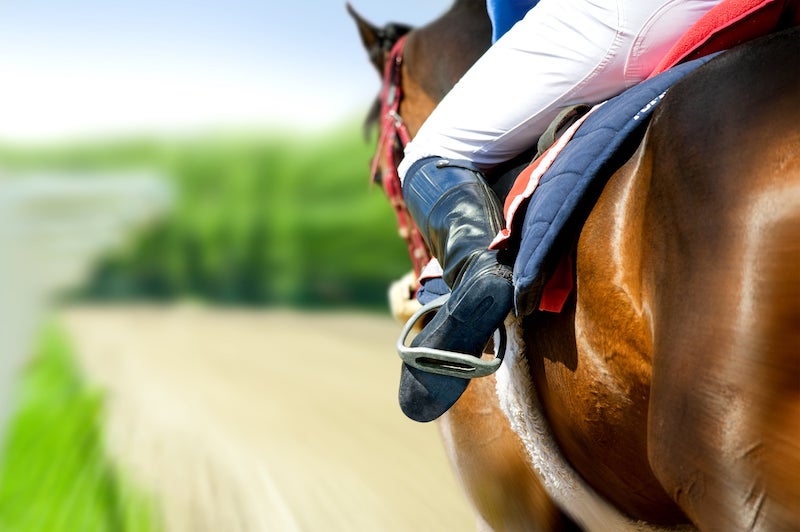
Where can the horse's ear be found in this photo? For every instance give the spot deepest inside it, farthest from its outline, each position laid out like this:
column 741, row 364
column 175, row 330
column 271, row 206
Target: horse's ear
column 377, row 41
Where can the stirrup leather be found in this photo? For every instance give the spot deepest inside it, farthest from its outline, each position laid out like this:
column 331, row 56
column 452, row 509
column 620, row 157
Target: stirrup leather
column 443, row 362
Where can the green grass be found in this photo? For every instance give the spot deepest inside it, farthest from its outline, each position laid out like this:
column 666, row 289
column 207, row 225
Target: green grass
column 259, row 219
column 56, row 475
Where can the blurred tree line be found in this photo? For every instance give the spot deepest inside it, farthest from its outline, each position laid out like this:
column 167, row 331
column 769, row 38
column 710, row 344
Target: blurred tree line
column 273, row 219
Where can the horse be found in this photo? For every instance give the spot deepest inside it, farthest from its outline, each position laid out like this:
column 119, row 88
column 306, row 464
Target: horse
column 671, row 379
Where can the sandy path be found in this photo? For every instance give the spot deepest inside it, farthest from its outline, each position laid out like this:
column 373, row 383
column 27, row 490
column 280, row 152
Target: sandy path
column 266, row 420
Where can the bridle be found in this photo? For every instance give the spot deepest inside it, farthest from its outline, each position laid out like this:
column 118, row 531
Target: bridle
column 392, row 141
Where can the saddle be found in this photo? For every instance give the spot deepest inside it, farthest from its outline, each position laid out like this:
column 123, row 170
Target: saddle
column 556, row 193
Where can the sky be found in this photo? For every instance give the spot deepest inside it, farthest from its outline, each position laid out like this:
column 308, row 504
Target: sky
column 95, row 69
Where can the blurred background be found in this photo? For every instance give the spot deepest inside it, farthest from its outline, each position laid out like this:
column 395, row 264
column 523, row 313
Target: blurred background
column 194, row 331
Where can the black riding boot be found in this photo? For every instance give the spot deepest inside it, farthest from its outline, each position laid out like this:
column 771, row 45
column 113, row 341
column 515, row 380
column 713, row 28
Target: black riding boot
column 459, row 216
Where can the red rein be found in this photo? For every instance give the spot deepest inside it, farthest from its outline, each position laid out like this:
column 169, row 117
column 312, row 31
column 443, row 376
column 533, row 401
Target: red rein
column 392, row 140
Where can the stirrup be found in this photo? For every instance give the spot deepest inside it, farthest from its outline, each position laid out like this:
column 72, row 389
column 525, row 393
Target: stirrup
column 443, row 362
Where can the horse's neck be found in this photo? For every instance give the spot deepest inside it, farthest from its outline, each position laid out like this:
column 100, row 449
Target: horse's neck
column 439, row 53
column 471, row 8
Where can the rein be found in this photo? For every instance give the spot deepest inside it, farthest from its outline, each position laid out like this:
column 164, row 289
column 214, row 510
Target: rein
column 392, row 141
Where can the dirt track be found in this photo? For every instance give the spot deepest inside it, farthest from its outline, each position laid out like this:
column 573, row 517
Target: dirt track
column 266, row 420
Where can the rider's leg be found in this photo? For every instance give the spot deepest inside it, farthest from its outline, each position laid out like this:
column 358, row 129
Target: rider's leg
column 563, row 52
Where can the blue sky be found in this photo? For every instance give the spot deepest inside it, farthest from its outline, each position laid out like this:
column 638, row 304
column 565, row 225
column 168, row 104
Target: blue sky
column 88, row 68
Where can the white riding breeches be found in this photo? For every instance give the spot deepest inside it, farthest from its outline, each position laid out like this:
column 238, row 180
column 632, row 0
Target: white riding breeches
column 563, row 52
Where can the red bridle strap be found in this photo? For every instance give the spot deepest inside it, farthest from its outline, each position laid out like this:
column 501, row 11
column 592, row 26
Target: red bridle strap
column 392, row 140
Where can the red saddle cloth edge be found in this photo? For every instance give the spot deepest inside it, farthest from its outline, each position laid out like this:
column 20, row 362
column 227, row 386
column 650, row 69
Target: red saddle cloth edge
column 729, row 23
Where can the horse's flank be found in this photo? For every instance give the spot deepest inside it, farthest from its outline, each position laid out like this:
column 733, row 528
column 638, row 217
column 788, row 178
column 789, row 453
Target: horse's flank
column 684, row 347
column 730, row 386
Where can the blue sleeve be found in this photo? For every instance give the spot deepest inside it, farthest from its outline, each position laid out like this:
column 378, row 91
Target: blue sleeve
column 506, row 13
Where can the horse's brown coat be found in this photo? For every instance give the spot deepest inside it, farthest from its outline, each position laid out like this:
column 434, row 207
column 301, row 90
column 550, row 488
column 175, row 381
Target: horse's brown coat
column 729, row 184
column 672, row 380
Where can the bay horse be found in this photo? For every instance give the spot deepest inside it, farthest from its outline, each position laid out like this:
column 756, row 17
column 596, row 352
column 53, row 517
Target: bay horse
column 671, row 380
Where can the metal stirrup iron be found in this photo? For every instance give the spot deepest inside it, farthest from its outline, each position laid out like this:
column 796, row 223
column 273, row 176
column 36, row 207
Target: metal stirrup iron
column 448, row 363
